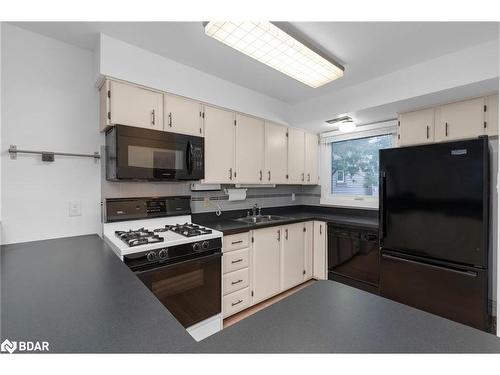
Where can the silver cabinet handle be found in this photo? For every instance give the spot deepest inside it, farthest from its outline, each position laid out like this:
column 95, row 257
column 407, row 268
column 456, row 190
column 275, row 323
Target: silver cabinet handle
column 235, row 242
column 237, row 261
column 236, row 282
column 320, row 230
column 170, row 119
column 446, row 129
column 302, row 176
column 153, row 120
column 230, row 173
column 427, row 130
column 279, row 235
column 237, row 303
column 260, row 173
column 308, row 177
column 286, row 234
column 269, row 175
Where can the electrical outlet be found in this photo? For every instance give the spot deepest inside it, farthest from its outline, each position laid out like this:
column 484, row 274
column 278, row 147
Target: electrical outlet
column 293, row 196
column 75, row 208
column 206, row 202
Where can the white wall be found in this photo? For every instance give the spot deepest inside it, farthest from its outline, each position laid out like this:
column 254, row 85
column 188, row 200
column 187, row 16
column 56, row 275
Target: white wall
column 49, row 102
column 125, row 61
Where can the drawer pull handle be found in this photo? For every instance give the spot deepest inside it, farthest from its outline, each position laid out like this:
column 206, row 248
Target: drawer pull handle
column 237, row 282
column 237, row 261
column 237, row 303
column 235, row 242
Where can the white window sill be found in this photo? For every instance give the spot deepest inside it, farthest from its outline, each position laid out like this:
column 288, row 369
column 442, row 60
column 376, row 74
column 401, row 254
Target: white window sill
column 367, row 204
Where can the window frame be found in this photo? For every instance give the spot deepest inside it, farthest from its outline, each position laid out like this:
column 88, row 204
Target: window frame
column 327, row 139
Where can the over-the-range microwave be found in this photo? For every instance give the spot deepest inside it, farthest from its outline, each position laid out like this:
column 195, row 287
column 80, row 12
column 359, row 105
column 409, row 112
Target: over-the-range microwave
column 144, row 154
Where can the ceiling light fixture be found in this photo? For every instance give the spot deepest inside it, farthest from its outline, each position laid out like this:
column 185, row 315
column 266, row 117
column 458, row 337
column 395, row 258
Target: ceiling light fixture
column 345, row 123
column 272, row 46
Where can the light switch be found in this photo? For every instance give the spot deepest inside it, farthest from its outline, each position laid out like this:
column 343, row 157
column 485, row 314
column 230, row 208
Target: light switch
column 75, row 208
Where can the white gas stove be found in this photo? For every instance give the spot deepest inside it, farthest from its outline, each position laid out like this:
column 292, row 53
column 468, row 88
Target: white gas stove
column 180, row 262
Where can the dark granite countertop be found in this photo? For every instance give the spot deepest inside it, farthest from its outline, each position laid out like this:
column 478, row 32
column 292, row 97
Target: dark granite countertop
column 226, row 223
column 329, row 317
column 75, row 293
column 78, row 295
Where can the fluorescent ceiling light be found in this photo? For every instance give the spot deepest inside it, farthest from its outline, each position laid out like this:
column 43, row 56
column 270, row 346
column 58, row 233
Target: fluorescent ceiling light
column 270, row 45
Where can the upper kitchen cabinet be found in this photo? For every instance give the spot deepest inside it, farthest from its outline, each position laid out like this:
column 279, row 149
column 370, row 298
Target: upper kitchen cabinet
column 219, row 146
column 492, row 115
column 416, row 127
column 250, row 133
column 276, row 154
column 311, row 159
column 296, row 156
column 126, row 104
column 182, row 115
column 460, row 120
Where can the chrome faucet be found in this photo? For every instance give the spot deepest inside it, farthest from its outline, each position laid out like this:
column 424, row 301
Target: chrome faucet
column 254, row 209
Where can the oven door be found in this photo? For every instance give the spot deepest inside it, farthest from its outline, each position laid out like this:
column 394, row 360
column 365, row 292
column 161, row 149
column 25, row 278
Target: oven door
column 156, row 155
column 190, row 290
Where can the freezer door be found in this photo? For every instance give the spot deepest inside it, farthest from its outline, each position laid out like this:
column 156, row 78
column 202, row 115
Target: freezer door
column 434, row 201
column 459, row 294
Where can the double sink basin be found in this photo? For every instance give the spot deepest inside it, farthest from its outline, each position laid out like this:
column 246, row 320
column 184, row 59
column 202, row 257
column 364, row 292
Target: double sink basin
column 262, row 219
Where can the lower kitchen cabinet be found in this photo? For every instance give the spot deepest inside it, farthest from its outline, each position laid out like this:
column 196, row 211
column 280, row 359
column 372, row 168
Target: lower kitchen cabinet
column 319, row 251
column 235, row 302
column 308, row 249
column 266, row 263
column 293, row 256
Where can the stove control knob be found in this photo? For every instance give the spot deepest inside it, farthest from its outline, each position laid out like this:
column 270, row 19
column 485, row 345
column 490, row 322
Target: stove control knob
column 162, row 253
column 196, row 246
column 204, row 245
column 151, row 256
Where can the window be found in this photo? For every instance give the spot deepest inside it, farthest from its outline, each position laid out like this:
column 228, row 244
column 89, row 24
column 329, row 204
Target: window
column 350, row 166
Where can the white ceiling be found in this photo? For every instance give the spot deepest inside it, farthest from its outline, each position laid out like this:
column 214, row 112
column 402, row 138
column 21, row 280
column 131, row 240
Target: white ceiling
column 367, row 49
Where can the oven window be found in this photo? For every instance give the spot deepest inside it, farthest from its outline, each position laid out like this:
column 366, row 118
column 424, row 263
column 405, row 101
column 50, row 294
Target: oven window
column 190, row 290
column 156, row 158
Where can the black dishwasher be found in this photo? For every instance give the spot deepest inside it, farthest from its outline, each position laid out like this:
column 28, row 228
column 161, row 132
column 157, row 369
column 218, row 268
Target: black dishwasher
column 354, row 257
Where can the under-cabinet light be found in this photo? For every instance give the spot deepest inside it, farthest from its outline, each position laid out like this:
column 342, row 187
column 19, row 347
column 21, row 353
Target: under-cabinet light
column 272, row 46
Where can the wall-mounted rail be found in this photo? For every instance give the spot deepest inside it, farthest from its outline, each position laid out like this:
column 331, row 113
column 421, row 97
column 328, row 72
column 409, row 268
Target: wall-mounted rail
column 48, row 155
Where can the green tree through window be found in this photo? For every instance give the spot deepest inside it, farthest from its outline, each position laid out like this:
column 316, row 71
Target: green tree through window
column 358, row 160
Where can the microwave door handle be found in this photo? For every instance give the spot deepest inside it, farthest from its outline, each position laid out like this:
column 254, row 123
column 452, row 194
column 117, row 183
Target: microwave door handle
column 189, row 157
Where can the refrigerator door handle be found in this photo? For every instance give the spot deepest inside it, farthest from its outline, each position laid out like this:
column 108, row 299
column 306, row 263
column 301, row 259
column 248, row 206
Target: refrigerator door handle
column 381, row 205
column 465, row 273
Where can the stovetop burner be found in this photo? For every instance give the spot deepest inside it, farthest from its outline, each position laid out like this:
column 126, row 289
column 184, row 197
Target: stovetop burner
column 138, row 237
column 188, row 230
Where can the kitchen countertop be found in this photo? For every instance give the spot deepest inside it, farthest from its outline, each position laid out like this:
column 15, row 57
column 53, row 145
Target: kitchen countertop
column 228, row 225
column 75, row 293
column 79, row 296
column 329, row 317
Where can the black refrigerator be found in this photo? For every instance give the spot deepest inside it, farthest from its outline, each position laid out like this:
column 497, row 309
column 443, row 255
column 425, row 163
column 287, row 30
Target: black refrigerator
column 434, row 221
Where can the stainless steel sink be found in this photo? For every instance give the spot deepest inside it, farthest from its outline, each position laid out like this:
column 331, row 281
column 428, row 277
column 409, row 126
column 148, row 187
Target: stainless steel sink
column 261, row 219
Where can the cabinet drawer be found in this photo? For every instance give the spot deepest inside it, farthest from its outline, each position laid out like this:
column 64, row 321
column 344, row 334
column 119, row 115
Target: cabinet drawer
column 235, row 302
column 235, row 241
column 236, row 280
column 235, row 260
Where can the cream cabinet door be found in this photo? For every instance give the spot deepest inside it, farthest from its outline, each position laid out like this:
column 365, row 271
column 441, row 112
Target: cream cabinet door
column 182, row 115
column 292, row 256
column 460, row 120
column 311, row 159
column 296, row 158
column 135, row 106
column 308, row 246
column 416, row 127
column 219, row 146
column 265, row 263
column 492, row 115
column 249, row 167
column 319, row 251
column 276, row 154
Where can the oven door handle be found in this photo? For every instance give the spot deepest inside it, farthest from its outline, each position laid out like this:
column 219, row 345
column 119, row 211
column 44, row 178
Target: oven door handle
column 203, row 259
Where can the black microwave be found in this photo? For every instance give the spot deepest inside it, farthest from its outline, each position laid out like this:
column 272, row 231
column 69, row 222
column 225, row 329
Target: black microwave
column 144, row 154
